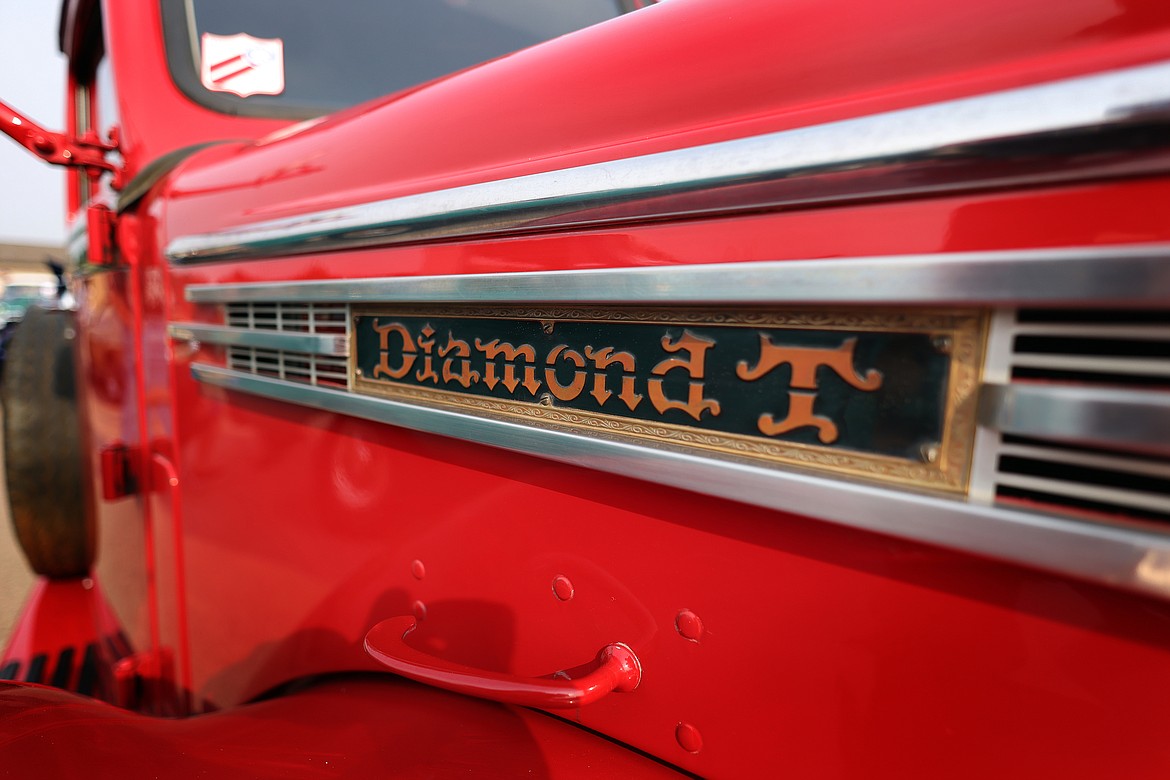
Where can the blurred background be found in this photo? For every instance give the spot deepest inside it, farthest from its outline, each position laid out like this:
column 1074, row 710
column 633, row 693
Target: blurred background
column 15, row 578
column 24, row 281
column 32, row 213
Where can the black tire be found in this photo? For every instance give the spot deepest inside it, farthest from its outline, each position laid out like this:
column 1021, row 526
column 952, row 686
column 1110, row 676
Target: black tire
column 42, row 446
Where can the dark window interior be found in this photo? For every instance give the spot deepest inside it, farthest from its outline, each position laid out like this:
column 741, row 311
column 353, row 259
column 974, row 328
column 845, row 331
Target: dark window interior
column 344, row 52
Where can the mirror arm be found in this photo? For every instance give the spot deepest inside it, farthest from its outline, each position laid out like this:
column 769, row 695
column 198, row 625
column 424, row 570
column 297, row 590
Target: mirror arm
column 87, row 152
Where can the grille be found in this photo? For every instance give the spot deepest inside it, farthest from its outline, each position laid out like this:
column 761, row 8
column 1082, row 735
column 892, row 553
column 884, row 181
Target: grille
column 1115, row 349
column 308, row 368
column 72, row 668
column 294, row 317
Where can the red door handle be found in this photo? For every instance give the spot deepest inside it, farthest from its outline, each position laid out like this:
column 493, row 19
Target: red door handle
column 618, row 669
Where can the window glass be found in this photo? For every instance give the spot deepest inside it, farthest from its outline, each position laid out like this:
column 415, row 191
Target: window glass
column 107, row 97
column 320, row 56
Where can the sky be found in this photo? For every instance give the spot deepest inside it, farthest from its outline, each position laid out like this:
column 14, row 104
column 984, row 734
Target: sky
column 32, row 81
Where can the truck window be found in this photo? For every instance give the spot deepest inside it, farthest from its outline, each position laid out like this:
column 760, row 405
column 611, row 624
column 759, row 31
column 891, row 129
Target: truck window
column 302, row 58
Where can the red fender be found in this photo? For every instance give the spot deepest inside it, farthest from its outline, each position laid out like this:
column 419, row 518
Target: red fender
column 372, row 726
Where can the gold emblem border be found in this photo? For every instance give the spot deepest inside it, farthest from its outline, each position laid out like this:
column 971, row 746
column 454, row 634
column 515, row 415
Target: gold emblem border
column 946, row 467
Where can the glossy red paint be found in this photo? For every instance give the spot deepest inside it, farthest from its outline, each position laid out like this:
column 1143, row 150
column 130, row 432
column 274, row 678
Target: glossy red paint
column 810, row 631
column 615, row 670
column 107, row 359
column 765, row 66
column 268, row 540
column 351, row 727
column 68, row 637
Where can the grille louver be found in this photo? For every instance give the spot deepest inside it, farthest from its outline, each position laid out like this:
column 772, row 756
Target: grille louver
column 1117, row 348
column 1087, row 348
column 305, row 367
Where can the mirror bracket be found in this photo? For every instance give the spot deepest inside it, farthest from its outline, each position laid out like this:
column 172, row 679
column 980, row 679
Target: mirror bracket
column 87, row 152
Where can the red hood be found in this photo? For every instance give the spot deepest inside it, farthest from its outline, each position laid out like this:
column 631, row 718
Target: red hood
column 678, row 74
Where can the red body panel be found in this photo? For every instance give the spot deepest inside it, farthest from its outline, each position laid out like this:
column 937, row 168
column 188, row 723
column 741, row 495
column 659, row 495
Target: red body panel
column 342, row 728
column 68, row 638
column 668, row 77
column 269, row 539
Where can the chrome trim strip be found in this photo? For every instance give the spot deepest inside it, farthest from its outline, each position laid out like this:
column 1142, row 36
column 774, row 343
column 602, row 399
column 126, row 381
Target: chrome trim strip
column 996, row 369
column 1106, row 365
column 1132, row 420
column 1135, row 275
column 1130, row 499
column 1122, row 557
column 312, row 343
column 77, row 244
column 1133, row 464
column 996, row 139
column 1093, row 330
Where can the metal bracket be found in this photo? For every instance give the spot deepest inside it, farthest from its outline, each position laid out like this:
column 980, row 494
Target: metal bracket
column 87, row 152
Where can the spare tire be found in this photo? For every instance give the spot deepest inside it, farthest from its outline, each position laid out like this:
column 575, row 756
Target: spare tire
column 42, row 446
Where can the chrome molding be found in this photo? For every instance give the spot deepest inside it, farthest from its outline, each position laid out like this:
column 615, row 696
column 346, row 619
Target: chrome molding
column 1136, row 275
column 311, row 343
column 1132, row 420
column 77, row 244
column 1066, row 130
column 996, row 370
column 1116, row 556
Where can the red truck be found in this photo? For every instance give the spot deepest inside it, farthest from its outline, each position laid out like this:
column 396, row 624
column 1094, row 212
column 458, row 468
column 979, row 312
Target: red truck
column 707, row 388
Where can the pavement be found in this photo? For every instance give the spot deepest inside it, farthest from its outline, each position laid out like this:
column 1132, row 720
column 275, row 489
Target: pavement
column 15, row 577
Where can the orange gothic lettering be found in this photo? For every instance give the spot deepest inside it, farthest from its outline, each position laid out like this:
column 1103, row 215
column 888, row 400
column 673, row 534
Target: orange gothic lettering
column 408, row 357
column 573, row 389
column 602, row 359
column 805, row 361
column 493, row 349
column 465, row 375
column 427, row 372
column 696, row 348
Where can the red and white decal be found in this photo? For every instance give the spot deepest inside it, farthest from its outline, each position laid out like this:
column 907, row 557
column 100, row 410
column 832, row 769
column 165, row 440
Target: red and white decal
column 242, row 65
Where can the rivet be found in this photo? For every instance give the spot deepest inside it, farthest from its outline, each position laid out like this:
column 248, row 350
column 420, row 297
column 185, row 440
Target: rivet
column 930, row 453
column 420, row 611
column 562, row 588
column 944, row 344
column 689, row 738
column 357, row 372
column 689, row 625
column 418, row 570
